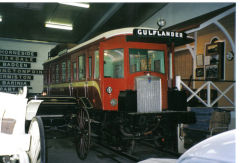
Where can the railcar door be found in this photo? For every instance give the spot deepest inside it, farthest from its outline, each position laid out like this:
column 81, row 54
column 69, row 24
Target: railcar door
column 112, row 72
column 92, row 78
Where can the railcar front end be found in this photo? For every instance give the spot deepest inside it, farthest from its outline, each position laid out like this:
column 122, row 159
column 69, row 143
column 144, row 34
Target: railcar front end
column 133, row 66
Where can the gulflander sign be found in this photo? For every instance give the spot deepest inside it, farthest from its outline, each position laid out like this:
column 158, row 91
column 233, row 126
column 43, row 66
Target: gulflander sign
column 157, row 33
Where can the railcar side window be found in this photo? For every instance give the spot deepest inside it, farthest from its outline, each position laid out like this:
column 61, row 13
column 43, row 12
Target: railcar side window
column 69, row 70
column 146, row 60
column 74, row 71
column 81, row 67
column 45, row 75
column 96, row 65
column 53, row 74
column 63, row 71
column 57, row 73
column 113, row 63
column 90, row 67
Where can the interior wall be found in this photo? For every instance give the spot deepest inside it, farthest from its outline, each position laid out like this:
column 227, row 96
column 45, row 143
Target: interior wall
column 205, row 36
column 175, row 13
column 183, row 64
column 42, row 50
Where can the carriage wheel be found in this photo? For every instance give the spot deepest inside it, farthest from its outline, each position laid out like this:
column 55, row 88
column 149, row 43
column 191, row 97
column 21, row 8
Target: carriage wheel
column 37, row 151
column 83, row 141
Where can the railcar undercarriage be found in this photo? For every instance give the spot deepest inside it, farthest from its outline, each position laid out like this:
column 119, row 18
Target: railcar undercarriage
column 118, row 129
column 123, row 130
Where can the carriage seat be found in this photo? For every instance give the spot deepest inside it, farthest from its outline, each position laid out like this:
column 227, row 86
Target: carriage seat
column 13, row 138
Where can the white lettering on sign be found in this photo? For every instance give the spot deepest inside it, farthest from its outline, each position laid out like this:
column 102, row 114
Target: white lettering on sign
column 18, row 52
column 15, row 83
column 157, row 33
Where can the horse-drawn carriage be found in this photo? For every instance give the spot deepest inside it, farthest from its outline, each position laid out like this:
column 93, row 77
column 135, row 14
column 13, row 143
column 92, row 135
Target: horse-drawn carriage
column 65, row 116
column 15, row 143
column 38, row 115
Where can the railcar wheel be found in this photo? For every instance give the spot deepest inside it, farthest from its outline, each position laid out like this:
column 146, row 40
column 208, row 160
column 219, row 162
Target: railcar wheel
column 83, row 141
column 37, row 151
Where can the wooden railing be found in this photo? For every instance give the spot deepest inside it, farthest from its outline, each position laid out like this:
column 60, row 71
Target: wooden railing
column 208, row 84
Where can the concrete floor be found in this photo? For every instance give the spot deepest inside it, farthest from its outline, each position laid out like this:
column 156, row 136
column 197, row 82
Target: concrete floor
column 62, row 150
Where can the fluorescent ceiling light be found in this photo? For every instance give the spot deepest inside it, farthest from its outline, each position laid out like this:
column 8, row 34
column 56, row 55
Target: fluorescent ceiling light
column 77, row 4
column 58, row 26
column 0, row 19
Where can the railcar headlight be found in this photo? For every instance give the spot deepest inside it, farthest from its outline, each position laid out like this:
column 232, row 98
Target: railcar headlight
column 109, row 90
column 161, row 23
column 113, row 102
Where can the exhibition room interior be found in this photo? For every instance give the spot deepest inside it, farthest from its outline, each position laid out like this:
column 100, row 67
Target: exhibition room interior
column 118, row 81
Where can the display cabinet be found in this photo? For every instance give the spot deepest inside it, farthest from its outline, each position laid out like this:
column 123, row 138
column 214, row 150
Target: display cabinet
column 214, row 61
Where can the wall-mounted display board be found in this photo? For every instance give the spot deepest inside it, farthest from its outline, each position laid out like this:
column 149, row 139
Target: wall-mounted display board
column 214, row 61
column 15, row 69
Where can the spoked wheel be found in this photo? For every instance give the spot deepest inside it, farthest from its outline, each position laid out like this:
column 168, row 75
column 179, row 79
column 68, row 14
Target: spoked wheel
column 83, row 139
column 37, row 151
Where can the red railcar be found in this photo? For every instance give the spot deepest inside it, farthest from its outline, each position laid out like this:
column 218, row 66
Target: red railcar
column 123, row 76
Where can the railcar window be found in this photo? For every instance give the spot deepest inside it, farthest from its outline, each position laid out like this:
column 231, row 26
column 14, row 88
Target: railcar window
column 96, row 64
column 81, row 67
column 63, row 71
column 113, row 63
column 53, row 74
column 57, row 73
column 146, row 60
column 90, row 67
column 45, row 75
column 74, row 71
column 69, row 70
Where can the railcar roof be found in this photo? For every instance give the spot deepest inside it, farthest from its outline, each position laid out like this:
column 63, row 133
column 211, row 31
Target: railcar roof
column 116, row 32
column 122, row 31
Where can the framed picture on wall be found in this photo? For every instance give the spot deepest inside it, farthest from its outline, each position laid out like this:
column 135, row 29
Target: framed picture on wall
column 214, row 61
column 199, row 72
column 200, row 60
column 212, row 71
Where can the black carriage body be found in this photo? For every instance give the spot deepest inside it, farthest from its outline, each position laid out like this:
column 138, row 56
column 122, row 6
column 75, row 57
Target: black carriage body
column 57, row 111
column 57, row 105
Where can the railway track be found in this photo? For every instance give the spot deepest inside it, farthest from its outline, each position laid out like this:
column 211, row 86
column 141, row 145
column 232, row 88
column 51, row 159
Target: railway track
column 170, row 153
column 124, row 154
column 116, row 151
column 143, row 151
